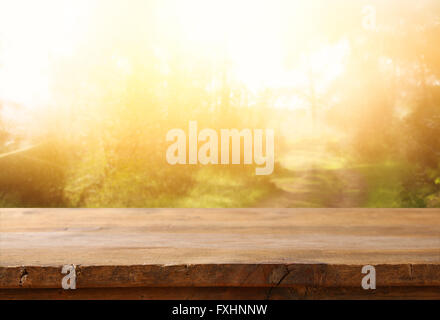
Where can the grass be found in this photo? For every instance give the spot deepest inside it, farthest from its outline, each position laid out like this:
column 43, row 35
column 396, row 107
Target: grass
column 184, row 187
column 223, row 188
column 9, row 201
column 313, row 176
column 383, row 182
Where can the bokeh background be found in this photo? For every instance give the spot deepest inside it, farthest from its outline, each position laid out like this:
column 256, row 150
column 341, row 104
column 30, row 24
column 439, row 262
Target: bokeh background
column 88, row 90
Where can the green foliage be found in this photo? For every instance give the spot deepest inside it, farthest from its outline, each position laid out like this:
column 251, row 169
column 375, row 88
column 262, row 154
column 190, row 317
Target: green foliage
column 33, row 177
column 109, row 149
column 226, row 188
column 384, row 183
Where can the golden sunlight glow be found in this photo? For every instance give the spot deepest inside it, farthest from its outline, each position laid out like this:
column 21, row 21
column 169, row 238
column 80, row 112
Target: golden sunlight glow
column 97, row 85
column 34, row 36
column 243, row 36
column 246, row 35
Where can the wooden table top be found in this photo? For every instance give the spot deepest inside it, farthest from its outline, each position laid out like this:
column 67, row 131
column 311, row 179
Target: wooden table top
column 219, row 247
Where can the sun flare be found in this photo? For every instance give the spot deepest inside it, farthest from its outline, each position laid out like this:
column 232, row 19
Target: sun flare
column 243, row 38
column 34, row 36
column 90, row 88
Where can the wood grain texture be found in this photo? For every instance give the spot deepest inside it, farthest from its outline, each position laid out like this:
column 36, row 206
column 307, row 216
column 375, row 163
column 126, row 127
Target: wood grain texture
column 319, row 250
column 222, row 293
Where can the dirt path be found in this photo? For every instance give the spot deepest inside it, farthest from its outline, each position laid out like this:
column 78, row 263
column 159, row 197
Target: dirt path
column 313, row 178
column 353, row 190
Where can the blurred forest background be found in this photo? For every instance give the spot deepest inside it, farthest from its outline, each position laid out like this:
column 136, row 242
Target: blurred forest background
column 89, row 89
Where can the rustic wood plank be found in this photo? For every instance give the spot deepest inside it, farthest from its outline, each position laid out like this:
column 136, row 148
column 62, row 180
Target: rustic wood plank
column 222, row 293
column 220, row 248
